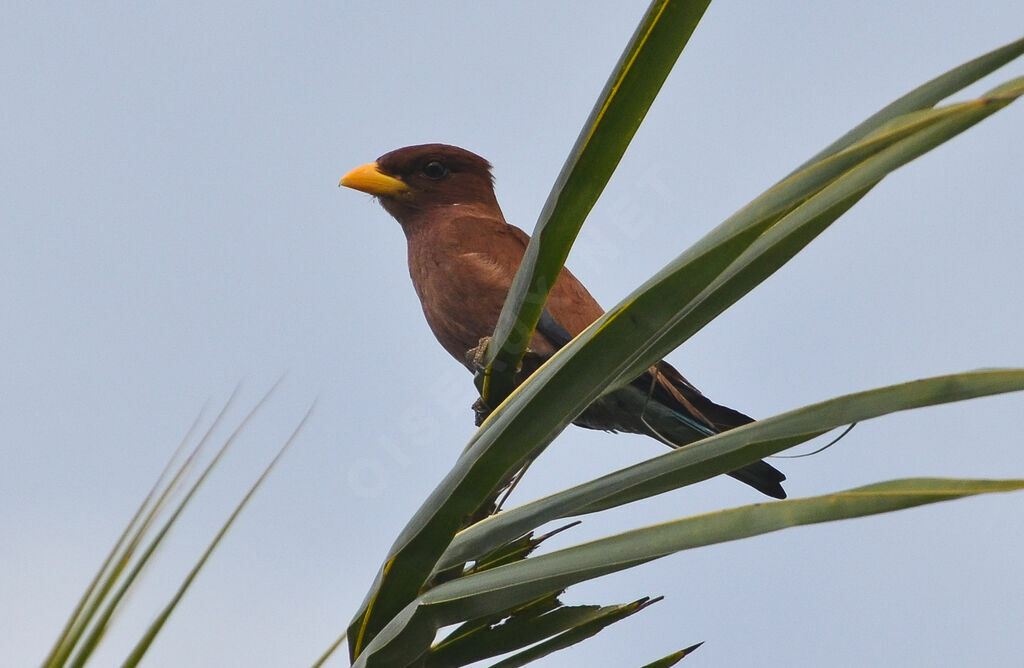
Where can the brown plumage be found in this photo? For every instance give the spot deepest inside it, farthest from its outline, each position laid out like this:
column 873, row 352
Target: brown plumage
column 462, row 259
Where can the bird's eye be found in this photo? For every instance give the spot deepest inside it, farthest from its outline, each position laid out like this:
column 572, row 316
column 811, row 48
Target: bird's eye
column 435, row 170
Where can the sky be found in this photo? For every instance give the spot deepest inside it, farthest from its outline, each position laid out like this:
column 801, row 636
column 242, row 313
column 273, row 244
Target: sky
column 172, row 229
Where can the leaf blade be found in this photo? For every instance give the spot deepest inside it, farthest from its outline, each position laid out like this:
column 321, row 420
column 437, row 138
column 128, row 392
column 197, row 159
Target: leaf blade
column 629, row 92
column 724, row 452
column 501, row 587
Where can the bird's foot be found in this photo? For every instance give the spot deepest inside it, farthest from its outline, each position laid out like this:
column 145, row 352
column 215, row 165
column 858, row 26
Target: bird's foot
column 480, row 411
column 475, row 359
column 475, row 356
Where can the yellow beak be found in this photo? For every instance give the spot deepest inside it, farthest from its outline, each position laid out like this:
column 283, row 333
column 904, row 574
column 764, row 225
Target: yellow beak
column 369, row 179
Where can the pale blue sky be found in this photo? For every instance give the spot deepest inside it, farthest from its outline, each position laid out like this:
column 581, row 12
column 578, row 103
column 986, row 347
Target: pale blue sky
column 172, row 226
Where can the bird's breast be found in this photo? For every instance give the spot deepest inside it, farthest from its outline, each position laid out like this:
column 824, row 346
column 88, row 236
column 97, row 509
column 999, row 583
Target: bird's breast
column 461, row 294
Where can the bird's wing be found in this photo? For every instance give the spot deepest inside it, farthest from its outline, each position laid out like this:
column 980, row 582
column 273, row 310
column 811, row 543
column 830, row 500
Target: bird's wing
column 569, row 309
column 676, row 389
column 698, row 413
column 571, row 305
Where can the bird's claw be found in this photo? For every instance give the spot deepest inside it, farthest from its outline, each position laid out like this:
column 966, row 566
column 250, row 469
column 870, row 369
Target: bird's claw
column 475, row 359
column 475, row 356
column 480, row 411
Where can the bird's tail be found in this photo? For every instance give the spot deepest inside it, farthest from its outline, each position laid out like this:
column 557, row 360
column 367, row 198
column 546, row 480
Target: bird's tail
column 700, row 414
column 760, row 475
column 763, row 477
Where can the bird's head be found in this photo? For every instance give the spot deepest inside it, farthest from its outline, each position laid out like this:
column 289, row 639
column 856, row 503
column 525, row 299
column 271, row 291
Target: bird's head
column 423, row 177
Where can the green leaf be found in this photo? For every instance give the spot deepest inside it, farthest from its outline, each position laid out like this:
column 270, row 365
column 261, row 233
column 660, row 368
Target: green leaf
column 133, row 552
column 502, row 587
column 674, row 658
column 634, row 83
column 605, row 617
column 467, row 633
column 927, row 95
column 519, row 631
column 725, row 452
column 143, row 644
column 99, row 591
column 661, row 301
column 517, row 549
column 129, row 559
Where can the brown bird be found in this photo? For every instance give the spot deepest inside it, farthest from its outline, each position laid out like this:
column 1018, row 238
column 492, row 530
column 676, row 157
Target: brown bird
column 462, row 259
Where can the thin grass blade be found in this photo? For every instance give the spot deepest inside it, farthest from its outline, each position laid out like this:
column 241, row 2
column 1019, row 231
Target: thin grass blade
column 139, row 651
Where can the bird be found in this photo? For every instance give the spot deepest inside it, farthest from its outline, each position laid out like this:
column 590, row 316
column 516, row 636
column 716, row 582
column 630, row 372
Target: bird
column 462, row 258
